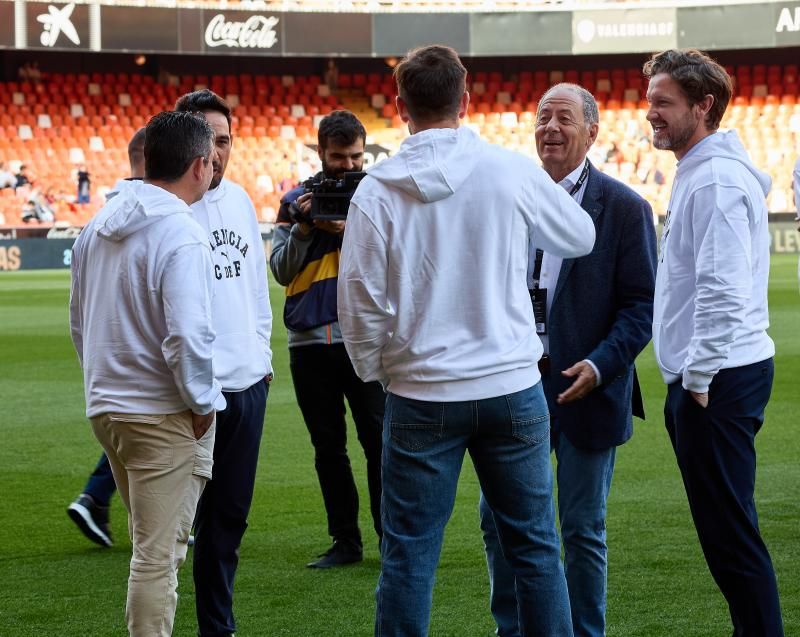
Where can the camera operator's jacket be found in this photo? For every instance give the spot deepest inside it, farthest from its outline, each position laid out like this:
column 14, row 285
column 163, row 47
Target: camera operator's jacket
column 308, row 266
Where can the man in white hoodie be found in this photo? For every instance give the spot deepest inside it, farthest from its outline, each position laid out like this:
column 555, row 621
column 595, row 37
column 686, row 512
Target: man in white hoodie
column 90, row 510
column 433, row 303
column 710, row 327
column 242, row 321
column 140, row 319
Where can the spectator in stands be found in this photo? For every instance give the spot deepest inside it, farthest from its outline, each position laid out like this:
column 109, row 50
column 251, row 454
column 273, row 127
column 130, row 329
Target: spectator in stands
column 433, row 303
column 331, row 75
column 146, row 353
column 37, row 208
column 710, row 327
column 242, row 321
column 588, row 372
column 90, row 510
column 84, row 186
column 22, row 177
column 7, row 178
column 305, row 258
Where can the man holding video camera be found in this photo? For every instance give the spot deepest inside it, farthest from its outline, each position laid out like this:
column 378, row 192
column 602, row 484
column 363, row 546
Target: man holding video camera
column 305, row 259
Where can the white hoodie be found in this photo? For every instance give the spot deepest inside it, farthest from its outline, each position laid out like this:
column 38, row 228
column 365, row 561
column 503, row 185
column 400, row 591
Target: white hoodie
column 710, row 308
column 433, row 299
column 242, row 316
column 140, row 307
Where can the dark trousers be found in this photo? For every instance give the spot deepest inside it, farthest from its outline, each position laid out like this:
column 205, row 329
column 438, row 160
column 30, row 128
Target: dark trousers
column 716, row 455
column 221, row 517
column 323, row 377
column 101, row 485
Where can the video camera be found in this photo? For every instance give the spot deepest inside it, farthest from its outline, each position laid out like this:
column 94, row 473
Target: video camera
column 330, row 198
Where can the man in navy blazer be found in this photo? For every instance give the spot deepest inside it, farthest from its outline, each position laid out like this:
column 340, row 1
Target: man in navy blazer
column 594, row 316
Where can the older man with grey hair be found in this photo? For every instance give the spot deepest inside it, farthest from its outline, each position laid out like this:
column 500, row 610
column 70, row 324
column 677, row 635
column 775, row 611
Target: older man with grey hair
column 593, row 316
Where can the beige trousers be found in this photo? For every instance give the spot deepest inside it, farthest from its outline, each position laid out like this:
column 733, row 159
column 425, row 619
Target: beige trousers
column 160, row 471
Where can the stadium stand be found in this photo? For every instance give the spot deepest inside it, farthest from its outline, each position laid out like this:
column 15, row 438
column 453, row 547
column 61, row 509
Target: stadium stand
column 66, row 120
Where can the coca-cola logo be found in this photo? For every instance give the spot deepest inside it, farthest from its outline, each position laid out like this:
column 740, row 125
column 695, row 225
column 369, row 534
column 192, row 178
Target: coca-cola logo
column 257, row 32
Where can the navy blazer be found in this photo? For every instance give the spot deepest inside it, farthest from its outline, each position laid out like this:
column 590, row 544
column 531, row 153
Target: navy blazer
column 602, row 309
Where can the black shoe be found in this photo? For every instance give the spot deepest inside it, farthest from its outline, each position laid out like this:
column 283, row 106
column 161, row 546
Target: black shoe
column 342, row 552
column 91, row 519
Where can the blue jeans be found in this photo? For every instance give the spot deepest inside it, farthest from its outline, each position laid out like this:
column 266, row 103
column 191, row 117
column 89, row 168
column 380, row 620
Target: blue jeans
column 101, row 485
column 423, row 449
column 584, row 480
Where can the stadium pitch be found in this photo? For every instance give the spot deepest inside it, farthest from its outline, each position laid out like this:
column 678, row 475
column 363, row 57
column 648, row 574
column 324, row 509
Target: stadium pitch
column 54, row 582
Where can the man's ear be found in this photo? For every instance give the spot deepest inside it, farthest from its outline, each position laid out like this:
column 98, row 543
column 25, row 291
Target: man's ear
column 198, row 168
column 705, row 105
column 402, row 109
column 593, row 130
column 464, row 105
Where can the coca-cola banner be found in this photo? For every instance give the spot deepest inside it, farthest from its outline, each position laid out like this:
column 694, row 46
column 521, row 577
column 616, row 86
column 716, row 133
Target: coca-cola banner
column 251, row 33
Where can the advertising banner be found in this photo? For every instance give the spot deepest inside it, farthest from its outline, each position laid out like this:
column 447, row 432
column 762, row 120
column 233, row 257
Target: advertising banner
column 395, row 34
column 155, row 29
column 6, row 25
column 624, row 30
column 243, row 32
column 323, row 34
column 57, row 25
column 741, row 26
column 786, row 23
column 533, row 33
column 34, row 254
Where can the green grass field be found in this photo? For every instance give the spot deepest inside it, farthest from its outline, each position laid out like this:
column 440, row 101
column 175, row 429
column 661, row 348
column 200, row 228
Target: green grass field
column 54, row 583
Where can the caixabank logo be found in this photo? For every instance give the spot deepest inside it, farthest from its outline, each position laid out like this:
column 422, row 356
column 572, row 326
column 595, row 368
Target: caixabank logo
column 58, row 25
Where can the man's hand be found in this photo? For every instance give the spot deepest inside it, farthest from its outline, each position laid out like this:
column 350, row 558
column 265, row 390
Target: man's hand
column 700, row 399
column 303, row 204
column 585, row 382
column 201, row 424
column 333, row 227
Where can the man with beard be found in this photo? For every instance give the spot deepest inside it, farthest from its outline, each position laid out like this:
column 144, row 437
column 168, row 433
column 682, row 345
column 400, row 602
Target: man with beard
column 710, row 327
column 305, row 258
column 242, row 320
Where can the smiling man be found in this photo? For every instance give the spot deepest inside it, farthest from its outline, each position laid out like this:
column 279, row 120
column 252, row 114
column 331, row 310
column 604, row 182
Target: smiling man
column 588, row 372
column 710, row 327
column 242, row 320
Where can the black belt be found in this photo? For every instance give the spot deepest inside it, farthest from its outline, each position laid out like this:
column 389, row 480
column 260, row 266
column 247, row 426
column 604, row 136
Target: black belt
column 544, row 365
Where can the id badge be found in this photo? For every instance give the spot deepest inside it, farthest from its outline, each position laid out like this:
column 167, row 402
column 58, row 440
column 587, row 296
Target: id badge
column 539, row 302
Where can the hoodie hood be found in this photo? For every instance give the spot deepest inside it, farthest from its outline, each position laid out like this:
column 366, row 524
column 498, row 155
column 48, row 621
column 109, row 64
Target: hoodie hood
column 121, row 185
column 134, row 207
column 725, row 145
column 433, row 164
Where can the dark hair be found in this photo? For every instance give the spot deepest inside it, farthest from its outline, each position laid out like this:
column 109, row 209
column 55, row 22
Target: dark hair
column 204, row 100
column 698, row 75
column 172, row 142
column 431, row 81
column 341, row 128
column 136, row 146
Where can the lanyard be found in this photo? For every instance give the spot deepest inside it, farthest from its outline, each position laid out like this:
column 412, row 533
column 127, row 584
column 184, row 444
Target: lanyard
column 537, row 264
column 581, row 179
